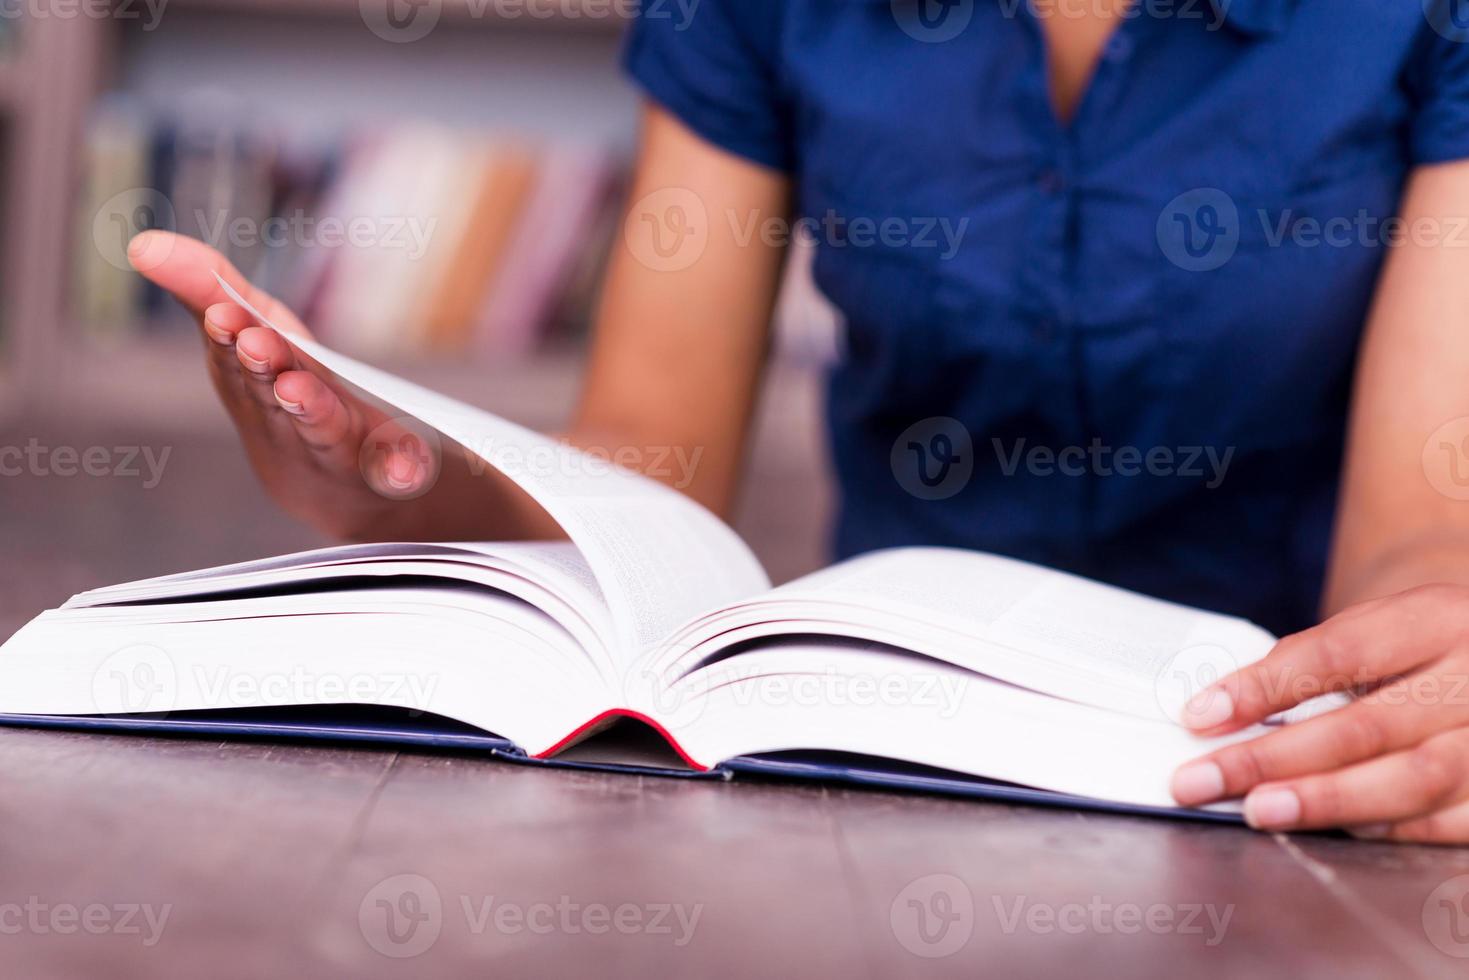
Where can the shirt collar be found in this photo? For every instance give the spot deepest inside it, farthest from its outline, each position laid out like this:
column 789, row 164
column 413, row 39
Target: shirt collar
column 1255, row 16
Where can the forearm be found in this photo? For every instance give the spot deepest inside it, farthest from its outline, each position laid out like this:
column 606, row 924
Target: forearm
column 1436, row 555
column 1402, row 521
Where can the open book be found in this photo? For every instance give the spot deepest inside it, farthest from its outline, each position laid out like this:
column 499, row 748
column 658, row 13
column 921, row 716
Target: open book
column 929, row 667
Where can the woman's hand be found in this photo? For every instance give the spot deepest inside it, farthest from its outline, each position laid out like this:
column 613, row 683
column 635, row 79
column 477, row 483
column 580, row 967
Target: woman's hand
column 325, row 456
column 675, row 365
column 348, row 467
column 1392, row 764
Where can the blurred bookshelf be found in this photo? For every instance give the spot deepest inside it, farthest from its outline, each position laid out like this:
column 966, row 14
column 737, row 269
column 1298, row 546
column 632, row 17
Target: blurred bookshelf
column 293, row 73
column 507, row 128
column 11, row 81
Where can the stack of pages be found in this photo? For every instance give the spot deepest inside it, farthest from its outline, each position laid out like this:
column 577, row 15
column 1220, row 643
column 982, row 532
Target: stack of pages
column 933, row 668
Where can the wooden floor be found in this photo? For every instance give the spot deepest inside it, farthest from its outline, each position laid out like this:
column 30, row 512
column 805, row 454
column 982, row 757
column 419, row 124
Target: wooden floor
column 135, row 857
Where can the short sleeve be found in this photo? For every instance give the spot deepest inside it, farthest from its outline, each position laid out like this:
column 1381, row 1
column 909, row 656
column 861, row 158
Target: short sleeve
column 714, row 64
column 1440, row 86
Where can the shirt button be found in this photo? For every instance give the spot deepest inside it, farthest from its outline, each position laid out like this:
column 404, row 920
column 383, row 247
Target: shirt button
column 1050, row 182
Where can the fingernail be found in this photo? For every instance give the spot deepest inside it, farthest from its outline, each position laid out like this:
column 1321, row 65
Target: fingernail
column 139, row 243
column 295, row 408
column 1371, row 831
column 1198, row 782
column 218, row 334
column 1272, row 809
column 1208, row 708
column 149, row 250
column 401, row 473
column 254, row 364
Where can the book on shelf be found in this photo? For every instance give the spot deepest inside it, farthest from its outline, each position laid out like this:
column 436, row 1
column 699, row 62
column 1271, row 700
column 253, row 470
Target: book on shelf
column 113, row 202
column 492, row 206
column 398, row 239
column 929, row 668
column 10, row 32
column 575, row 188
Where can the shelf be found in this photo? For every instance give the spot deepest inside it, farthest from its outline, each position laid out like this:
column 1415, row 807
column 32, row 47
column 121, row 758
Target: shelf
column 590, row 15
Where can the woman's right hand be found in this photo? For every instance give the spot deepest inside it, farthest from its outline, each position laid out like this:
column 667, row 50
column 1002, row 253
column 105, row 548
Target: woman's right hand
column 327, row 457
column 675, row 365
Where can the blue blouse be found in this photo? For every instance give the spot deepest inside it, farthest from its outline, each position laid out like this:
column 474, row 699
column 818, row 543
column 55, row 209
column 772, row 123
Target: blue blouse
column 1121, row 345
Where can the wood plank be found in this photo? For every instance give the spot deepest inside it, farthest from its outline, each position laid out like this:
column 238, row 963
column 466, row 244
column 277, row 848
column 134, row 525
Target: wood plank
column 1415, row 899
column 289, row 859
column 1046, row 893
column 220, row 844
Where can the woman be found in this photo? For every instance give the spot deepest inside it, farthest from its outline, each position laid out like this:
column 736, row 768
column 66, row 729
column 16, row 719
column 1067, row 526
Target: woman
column 1086, row 232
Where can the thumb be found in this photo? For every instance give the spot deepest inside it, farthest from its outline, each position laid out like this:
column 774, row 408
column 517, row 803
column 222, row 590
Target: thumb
column 185, row 267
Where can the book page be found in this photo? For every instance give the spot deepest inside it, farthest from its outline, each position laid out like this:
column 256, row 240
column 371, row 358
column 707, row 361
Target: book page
column 1043, row 629
column 1041, row 611
column 484, row 658
column 659, row 557
column 818, row 693
column 550, row 576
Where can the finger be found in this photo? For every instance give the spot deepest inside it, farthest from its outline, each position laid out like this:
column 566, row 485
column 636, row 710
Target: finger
column 1364, row 645
column 1372, row 726
column 185, row 267
column 324, row 422
column 223, row 321
column 1389, row 789
column 1447, row 826
column 262, row 355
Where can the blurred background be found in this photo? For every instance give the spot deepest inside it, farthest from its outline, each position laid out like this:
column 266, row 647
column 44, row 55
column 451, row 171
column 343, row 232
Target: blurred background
column 434, row 185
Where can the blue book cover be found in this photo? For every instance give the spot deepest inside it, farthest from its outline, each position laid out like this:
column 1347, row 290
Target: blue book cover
column 627, row 748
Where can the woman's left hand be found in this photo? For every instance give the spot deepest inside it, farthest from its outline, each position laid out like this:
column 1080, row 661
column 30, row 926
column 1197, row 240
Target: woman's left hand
column 1393, row 764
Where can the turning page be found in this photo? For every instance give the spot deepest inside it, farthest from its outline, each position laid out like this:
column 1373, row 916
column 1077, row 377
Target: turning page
column 659, row 557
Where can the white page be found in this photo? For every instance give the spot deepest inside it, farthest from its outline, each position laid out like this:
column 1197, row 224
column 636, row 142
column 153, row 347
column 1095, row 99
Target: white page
column 1062, row 618
column 850, row 697
column 484, row 659
column 1047, row 630
column 659, row 557
column 583, row 616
